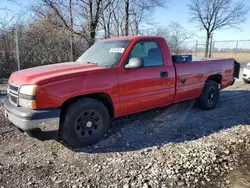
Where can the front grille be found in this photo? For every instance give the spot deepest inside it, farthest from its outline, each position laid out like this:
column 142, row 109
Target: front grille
column 13, row 94
column 13, row 88
column 13, row 99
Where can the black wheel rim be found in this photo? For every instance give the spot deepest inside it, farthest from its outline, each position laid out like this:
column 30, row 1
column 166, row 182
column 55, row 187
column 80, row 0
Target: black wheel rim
column 87, row 124
column 212, row 95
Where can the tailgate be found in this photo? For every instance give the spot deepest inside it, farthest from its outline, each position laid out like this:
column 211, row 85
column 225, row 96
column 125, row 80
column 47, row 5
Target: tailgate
column 236, row 69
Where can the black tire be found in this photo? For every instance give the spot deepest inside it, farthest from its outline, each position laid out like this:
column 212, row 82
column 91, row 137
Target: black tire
column 85, row 122
column 210, row 95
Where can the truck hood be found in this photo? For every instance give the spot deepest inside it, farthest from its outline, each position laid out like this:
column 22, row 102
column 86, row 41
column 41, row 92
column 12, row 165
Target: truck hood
column 42, row 73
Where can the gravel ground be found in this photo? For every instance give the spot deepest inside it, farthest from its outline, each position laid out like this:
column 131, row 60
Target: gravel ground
column 175, row 146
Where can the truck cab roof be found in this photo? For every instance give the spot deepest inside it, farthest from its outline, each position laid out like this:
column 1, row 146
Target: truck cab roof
column 135, row 37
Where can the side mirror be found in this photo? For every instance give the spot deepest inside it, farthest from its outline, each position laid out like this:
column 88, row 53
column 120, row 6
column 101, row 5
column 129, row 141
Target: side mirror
column 134, row 62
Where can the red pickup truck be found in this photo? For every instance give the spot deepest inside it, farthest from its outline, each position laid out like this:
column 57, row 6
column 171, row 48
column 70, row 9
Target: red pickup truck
column 113, row 78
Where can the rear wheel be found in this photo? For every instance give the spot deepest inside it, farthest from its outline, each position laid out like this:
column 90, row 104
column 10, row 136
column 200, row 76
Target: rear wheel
column 85, row 122
column 210, row 95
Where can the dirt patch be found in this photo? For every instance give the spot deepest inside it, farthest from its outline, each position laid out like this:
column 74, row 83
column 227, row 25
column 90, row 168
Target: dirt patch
column 240, row 178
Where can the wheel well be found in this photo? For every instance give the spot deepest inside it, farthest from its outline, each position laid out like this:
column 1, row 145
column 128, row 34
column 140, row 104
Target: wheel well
column 102, row 97
column 217, row 78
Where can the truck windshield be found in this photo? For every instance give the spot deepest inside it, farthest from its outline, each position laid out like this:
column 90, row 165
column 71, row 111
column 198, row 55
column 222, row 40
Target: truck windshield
column 106, row 53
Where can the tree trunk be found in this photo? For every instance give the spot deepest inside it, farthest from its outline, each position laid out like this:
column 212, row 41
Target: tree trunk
column 105, row 32
column 136, row 29
column 91, row 39
column 207, row 44
column 108, row 30
column 92, row 35
column 126, row 17
column 94, row 18
column 117, row 29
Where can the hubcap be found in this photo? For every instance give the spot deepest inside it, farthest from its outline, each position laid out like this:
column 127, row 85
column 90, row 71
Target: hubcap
column 87, row 123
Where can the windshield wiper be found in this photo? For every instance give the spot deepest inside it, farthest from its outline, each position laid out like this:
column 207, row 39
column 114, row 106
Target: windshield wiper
column 91, row 62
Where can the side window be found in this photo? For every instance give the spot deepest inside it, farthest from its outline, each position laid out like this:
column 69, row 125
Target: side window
column 149, row 51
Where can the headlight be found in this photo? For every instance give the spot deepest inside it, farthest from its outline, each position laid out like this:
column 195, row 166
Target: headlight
column 27, row 103
column 247, row 66
column 27, row 96
column 28, row 89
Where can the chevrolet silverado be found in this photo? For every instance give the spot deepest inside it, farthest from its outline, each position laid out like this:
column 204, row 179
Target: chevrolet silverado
column 115, row 77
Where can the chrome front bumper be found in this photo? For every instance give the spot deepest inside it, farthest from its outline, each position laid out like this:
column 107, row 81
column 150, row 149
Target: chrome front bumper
column 32, row 120
column 26, row 125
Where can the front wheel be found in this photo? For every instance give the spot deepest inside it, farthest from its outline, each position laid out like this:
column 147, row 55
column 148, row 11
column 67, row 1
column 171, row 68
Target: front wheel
column 210, row 95
column 85, row 122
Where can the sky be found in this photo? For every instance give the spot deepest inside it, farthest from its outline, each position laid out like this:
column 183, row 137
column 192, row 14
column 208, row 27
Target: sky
column 177, row 11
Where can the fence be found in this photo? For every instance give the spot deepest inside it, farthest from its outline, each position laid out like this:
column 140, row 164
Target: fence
column 40, row 47
column 238, row 49
column 35, row 47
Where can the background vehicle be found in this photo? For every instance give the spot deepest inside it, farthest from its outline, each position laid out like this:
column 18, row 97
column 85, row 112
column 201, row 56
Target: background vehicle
column 246, row 74
column 113, row 78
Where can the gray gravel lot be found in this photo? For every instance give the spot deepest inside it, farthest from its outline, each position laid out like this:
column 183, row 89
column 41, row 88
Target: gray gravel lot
column 175, row 146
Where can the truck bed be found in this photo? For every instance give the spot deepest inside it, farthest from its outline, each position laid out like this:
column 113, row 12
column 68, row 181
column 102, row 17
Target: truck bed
column 191, row 76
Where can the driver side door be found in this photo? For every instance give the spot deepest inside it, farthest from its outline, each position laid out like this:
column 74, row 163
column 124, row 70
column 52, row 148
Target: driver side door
column 149, row 86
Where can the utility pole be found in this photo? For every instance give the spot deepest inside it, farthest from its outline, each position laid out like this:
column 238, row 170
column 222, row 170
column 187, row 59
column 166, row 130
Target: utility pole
column 17, row 50
column 236, row 48
column 71, row 39
column 71, row 47
column 213, row 48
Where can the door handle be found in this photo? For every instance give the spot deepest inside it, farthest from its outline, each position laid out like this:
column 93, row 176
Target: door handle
column 183, row 79
column 164, row 74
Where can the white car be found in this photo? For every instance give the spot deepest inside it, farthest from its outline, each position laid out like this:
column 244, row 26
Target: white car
column 246, row 73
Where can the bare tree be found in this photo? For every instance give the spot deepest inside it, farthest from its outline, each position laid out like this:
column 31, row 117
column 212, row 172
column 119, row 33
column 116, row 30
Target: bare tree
column 217, row 14
column 61, row 29
column 141, row 11
column 92, row 11
column 118, row 18
column 57, row 12
column 7, row 46
column 175, row 35
column 9, row 58
column 106, row 18
column 128, row 15
column 88, row 14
